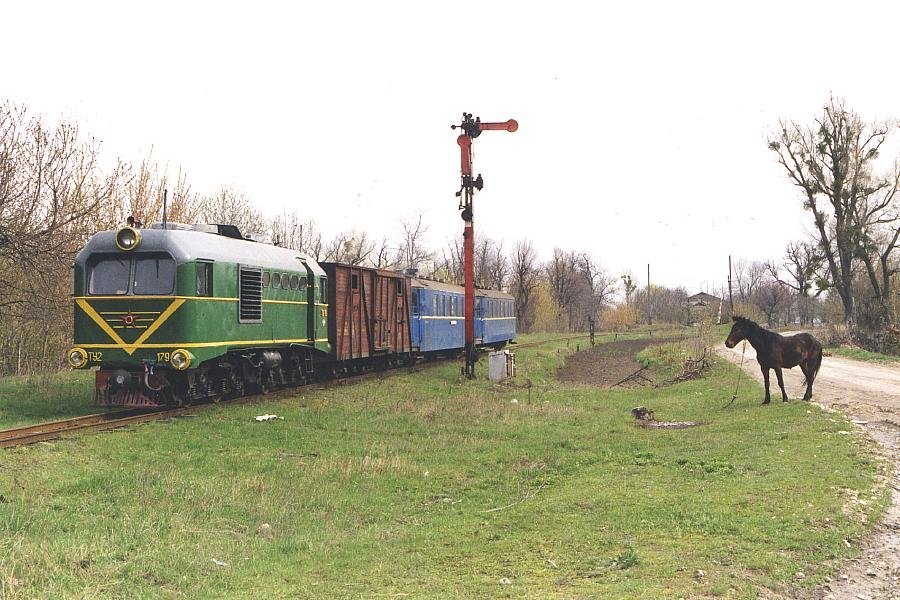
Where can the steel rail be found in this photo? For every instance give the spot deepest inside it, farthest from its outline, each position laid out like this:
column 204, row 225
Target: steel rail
column 29, row 434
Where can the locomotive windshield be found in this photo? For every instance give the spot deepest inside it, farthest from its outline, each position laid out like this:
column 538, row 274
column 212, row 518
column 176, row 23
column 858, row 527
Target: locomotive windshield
column 153, row 275
column 149, row 275
column 109, row 276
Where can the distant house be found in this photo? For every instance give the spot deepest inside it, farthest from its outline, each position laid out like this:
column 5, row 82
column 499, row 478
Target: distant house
column 705, row 306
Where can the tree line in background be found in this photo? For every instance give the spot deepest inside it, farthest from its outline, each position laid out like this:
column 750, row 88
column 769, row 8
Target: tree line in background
column 56, row 190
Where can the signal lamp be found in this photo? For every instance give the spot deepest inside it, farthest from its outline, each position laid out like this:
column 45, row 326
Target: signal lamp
column 181, row 359
column 77, row 358
column 128, row 238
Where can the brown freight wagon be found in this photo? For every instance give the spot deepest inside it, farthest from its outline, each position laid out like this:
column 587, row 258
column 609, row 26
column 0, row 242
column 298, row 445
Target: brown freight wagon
column 369, row 313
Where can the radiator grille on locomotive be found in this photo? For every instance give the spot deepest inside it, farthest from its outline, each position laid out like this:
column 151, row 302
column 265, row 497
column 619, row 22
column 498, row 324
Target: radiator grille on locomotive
column 250, row 304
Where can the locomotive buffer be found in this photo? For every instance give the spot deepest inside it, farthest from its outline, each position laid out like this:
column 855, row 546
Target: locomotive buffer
column 471, row 129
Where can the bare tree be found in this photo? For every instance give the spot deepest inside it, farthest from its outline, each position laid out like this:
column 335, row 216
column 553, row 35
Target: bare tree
column 147, row 190
column 51, row 189
column 629, row 287
column 854, row 211
column 525, row 277
column 801, row 262
column 351, row 247
column 290, row 231
column 747, row 276
column 413, row 252
column 383, row 255
column 772, row 298
column 231, row 207
column 563, row 277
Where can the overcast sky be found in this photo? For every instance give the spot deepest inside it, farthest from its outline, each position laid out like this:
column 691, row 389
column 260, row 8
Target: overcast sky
column 642, row 125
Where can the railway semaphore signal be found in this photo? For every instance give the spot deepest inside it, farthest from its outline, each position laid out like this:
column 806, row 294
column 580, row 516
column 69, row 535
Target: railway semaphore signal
column 471, row 129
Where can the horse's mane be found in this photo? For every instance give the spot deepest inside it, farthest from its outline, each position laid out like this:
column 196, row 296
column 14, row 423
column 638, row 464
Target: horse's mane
column 752, row 325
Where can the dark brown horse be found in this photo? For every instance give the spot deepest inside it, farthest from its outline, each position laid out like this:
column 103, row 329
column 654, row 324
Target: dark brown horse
column 774, row 351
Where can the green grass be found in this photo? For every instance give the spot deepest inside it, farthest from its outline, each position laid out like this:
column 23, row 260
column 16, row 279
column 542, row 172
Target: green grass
column 39, row 398
column 423, row 485
column 860, row 354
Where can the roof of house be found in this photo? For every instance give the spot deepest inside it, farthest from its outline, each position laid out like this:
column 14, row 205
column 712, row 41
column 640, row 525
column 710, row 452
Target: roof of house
column 703, row 299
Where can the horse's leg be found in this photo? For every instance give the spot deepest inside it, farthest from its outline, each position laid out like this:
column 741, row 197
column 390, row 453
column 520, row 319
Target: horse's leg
column 765, row 372
column 784, row 397
column 804, row 366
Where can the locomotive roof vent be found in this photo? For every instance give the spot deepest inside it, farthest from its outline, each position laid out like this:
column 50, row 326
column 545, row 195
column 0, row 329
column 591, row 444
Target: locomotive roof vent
column 230, row 231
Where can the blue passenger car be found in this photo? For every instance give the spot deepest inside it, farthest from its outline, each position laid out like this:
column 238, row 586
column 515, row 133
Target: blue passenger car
column 495, row 318
column 438, row 317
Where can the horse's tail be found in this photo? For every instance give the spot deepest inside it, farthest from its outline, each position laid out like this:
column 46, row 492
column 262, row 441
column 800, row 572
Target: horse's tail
column 815, row 361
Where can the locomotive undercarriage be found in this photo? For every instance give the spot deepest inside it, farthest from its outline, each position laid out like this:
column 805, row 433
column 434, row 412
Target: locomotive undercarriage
column 233, row 375
column 230, row 376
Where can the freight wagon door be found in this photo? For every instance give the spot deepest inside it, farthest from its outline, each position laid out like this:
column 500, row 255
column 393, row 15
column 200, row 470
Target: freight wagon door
column 383, row 312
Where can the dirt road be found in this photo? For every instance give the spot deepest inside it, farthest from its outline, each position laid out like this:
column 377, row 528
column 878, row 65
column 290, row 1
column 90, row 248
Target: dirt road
column 869, row 395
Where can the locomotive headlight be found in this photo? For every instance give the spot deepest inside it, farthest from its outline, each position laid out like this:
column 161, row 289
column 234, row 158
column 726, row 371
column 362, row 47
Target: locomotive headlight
column 128, row 238
column 181, row 359
column 77, row 358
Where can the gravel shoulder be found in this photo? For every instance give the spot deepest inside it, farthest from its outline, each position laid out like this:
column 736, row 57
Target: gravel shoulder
column 869, row 395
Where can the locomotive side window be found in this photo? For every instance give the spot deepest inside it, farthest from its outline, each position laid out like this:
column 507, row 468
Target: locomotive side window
column 204, row 279
column 323, row 289
column 295, row 282
column 266, row 277
column 303, row 283
column 109, row 276
column 153, row 276
column 276, row 280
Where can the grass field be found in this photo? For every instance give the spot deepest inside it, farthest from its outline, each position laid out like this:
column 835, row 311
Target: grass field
column 424, row 485
column 860, row 354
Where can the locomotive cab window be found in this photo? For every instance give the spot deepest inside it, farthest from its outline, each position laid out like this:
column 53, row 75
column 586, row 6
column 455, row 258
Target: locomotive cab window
column 143, row 274
column 204, row 279
column 153, row 275
column 108, row 275
column 323, row 291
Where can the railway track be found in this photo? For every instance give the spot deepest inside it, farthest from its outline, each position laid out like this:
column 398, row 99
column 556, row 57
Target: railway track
column 41, row 432
column 30, row 434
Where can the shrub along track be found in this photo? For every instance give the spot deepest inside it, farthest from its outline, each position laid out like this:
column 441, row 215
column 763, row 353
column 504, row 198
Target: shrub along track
column 30, row 434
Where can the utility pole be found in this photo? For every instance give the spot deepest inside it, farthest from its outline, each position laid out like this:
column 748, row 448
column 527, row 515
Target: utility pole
column 649, row 304
column 471, row 129
column 730, row 297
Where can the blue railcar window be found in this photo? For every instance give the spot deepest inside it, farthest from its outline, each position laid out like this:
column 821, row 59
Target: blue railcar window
column 109, row 276
column 153, row 276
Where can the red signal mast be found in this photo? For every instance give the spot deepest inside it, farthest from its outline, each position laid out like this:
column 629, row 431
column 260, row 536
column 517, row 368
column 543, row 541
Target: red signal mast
column 471, row 129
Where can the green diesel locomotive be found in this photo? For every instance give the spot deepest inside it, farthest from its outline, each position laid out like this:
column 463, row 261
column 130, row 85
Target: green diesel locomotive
column 175, row 313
